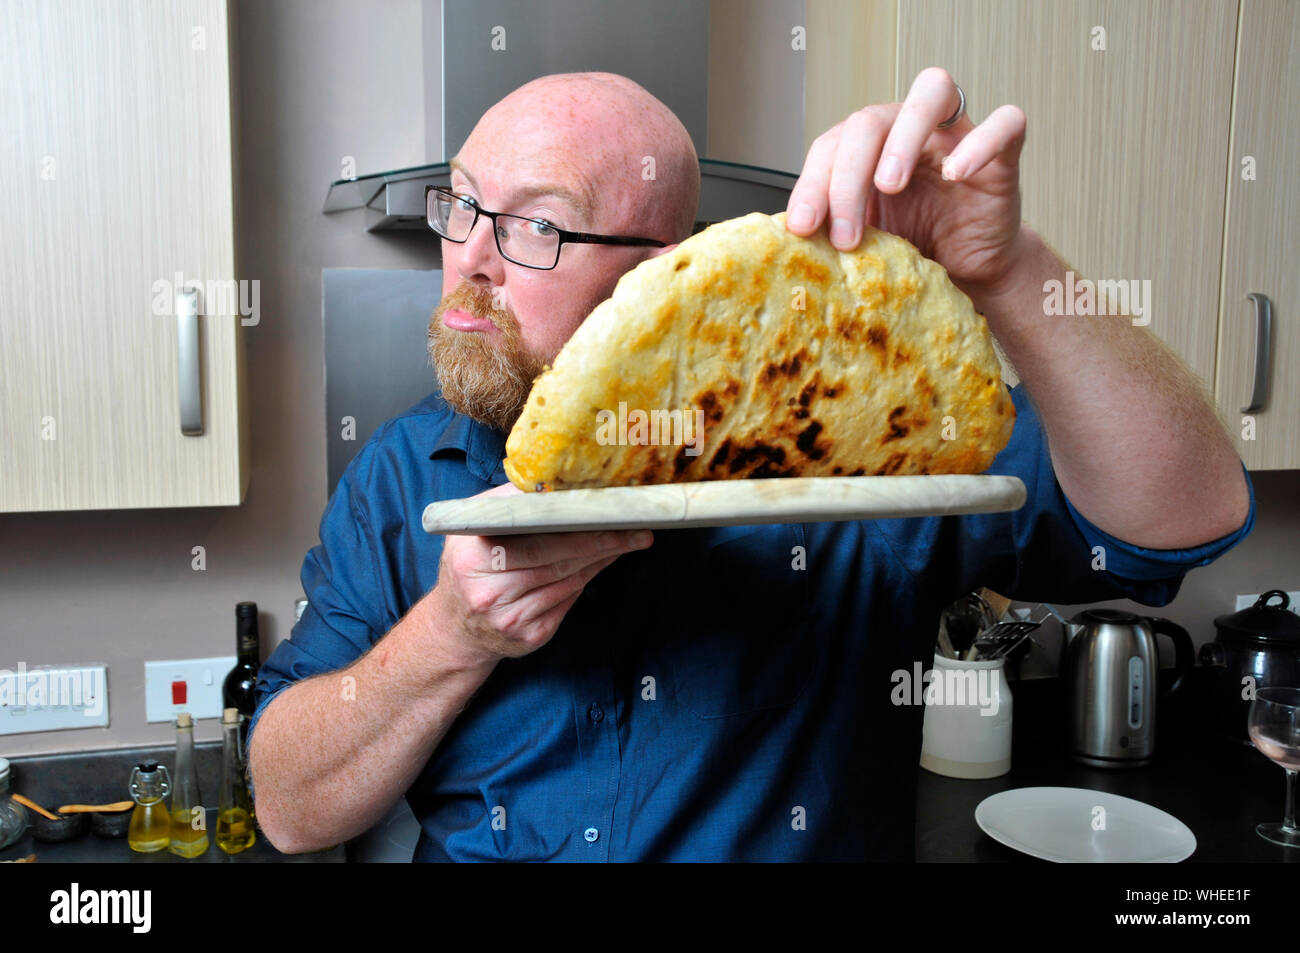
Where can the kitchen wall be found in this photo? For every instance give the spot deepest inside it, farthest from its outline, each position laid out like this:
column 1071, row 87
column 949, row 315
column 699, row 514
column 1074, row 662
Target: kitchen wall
column 318, row 81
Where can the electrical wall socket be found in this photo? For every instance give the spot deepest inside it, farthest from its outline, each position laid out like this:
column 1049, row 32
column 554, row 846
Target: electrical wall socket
column 53, row 699
column 202, row 678
column 1245, row 602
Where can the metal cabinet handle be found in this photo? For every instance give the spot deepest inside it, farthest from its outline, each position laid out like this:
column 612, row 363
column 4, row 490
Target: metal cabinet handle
column 1263, row 345
column 187, row 361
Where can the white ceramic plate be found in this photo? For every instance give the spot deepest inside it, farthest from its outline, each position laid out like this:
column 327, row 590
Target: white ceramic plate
column 1064, row 825
column 726, row 503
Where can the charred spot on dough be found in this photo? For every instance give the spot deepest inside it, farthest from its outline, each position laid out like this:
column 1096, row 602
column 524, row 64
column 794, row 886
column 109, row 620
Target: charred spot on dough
column 732, row 387
column 837, row 470
column 895, row 461
column 901, row 358
column 765, row 471
column 807, row 440
column 708, row 402
column 681, row 461
column 681, row 264
column 860, row 471
column 790, row 367
column 806, row 395
column 801, row 413
column 720, row 457
column 878, row 337
column 762, row 452
column 896, row 427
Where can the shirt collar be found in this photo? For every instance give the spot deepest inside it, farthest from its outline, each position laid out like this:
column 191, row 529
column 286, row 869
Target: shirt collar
column 483, row 447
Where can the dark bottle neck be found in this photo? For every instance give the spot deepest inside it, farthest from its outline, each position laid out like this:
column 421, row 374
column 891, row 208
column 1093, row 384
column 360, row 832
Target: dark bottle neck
column 246, row 639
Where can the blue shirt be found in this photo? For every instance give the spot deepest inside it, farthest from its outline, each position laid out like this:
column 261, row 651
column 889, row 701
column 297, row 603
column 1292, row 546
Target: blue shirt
column 725, row 694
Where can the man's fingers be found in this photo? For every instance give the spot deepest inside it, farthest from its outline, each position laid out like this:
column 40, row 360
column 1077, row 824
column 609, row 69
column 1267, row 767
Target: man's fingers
column 1002, row 133
column 806, row 210
column 540, row 601
column 522, row 583
column 850, row 181
column 542, row 549
column 931, row 100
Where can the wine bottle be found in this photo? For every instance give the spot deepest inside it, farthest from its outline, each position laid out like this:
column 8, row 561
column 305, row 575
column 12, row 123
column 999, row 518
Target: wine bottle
column 238, row 690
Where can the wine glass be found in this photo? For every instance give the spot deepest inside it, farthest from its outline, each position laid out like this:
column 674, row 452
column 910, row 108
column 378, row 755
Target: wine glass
column 1274, row 725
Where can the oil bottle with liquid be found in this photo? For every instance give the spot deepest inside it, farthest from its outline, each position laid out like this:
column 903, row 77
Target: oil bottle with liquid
column 150, row 829
column 235, row 832
column 189, row 832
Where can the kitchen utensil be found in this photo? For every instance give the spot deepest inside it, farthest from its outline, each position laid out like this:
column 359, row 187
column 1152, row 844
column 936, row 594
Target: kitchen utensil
column 726, row 503
column 1258, row 647
column 1109, row 668
column 1274, row 725
column 1073, row 825
column 93, row 808
column 962, row 622
column 1000, row 640
column 27, row 802
column 966, row 731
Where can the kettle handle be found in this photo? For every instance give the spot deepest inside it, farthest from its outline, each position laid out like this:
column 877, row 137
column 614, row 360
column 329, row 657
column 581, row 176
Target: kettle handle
column 1184, row 654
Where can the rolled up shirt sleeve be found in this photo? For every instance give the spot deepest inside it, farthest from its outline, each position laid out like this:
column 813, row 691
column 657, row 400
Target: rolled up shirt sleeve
column 1137, row 562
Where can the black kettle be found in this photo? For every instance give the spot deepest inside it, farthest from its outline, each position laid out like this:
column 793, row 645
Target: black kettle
column 1258, row 647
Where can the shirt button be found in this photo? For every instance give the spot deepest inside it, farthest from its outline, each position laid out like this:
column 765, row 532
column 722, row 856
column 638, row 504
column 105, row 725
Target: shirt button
column 591, row 834
column 595, row 713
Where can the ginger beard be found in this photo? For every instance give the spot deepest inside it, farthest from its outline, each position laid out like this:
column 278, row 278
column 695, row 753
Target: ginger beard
column 484, row 377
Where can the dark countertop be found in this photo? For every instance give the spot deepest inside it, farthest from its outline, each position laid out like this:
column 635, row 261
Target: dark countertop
column 1218, row 787
column 101, row 777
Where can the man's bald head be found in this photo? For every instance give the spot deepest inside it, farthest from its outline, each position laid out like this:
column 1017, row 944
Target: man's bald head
column 612, row 132
column 586, row 152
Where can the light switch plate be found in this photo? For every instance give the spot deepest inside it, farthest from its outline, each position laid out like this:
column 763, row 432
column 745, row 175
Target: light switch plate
column 202, row 678
column 53, row 699
column 1245, row 602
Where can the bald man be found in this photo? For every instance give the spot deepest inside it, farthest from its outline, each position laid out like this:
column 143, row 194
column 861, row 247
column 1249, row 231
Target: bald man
column 613, row 696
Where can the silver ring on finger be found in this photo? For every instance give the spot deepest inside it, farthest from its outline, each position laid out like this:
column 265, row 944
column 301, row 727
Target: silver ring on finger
column 961, row 111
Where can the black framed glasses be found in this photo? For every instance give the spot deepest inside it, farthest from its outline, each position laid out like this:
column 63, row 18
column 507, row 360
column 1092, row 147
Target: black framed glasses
column 531, row 242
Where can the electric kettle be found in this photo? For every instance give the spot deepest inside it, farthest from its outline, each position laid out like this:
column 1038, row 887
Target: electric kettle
column 1109, row 668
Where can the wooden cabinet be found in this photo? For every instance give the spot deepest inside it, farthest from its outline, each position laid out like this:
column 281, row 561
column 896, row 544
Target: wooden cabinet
column 1262, row 238
column 117, row 153
column 1131, row 108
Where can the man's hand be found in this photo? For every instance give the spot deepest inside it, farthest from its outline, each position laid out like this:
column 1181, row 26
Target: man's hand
column 953, row 193
column 506, row 595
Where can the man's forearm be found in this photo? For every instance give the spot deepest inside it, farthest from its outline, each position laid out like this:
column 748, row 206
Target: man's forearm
column 333, row 753
column 1135, row 442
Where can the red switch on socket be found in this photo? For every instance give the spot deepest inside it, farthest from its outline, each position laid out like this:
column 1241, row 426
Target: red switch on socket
column 178, row 693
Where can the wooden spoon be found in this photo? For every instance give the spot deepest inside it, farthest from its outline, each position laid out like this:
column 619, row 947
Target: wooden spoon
column 91, row 808
column 34, row 806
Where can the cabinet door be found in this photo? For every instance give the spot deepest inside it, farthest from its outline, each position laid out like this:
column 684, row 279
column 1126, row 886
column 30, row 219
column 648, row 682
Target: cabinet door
column 117, row 182
column 1122, row 171
column 1263, row 237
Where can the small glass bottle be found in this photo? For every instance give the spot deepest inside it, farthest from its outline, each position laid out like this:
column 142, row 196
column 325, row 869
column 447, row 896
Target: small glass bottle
column 189, row 831
column 234, row 809
column 13, row 817
column 150, row 829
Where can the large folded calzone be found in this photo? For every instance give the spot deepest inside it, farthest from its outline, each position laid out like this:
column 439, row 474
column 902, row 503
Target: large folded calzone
column 750, row 352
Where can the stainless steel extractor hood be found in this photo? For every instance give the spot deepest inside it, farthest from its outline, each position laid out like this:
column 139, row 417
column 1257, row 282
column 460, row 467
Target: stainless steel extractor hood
column 490, row 47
